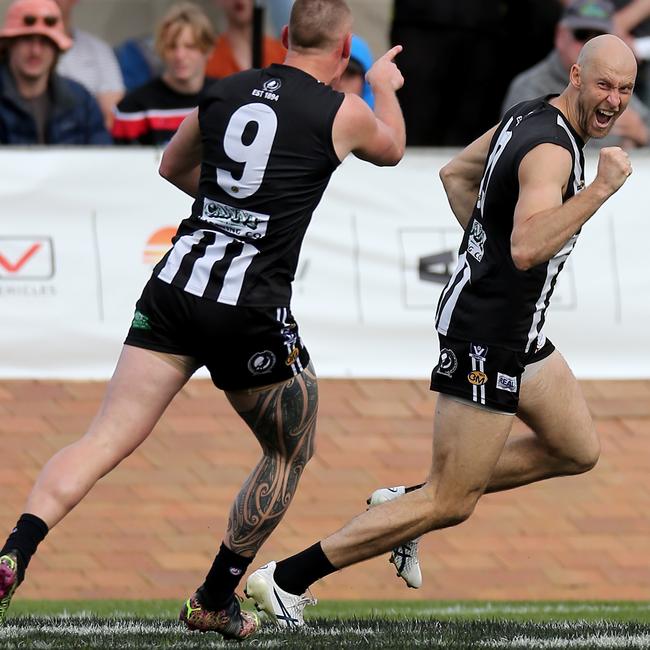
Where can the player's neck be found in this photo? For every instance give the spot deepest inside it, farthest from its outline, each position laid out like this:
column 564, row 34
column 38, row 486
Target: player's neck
column 568, row 109
column 314, row 65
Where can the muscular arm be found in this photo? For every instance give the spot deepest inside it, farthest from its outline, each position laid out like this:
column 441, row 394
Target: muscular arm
column 461, row 177
column 379, row 137
column 181, row 161
column 542, row 222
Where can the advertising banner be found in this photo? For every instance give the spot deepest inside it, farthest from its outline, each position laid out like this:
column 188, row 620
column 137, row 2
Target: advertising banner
column 80, row 231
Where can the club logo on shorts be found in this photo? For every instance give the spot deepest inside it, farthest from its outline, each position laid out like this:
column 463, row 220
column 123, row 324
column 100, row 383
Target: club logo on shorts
column 293, row 355
column 477, row 351
column 261, row 363
column 506, row 382
column 477, row 378
column 140, row 321
column 290, row 333
column 448, row 363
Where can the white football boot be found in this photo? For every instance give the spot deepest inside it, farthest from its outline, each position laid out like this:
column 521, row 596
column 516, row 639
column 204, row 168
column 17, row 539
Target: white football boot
column 280, row 606
column 405, row 556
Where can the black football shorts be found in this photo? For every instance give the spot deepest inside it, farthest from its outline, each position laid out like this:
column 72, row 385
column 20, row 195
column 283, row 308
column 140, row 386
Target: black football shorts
column 486, row 375
column 242, row 347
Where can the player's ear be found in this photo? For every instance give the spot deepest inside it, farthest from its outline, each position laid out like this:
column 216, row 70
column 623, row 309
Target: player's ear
column 347, row 47
column 285, row 37
column 574, row 75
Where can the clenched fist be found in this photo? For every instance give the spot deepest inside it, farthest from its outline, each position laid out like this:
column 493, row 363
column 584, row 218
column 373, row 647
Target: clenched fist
column 384, row 72
column 614, row 167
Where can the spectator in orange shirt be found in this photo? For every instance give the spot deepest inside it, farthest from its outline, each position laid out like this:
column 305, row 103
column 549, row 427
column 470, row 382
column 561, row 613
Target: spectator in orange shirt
column 233, row 51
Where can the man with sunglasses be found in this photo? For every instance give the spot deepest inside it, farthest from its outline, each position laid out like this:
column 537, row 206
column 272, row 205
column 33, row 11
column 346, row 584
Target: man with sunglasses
column 37, row 106
column 581, row 21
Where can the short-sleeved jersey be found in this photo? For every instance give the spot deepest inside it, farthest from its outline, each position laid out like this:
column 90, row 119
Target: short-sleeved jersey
column 488, row 299
column 267, row 158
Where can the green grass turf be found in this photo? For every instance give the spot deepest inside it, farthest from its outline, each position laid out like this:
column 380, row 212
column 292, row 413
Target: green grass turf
column 89, row 633
column 621, row 611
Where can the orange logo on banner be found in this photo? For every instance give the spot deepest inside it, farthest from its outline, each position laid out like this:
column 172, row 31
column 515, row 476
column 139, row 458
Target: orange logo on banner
column 158, row 244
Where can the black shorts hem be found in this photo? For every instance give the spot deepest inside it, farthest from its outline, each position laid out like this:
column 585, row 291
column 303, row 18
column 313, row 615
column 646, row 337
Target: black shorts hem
column 137, row 342
column 491, row 404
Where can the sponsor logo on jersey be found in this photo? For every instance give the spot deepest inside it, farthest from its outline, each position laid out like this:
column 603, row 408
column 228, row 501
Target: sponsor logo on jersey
column 506, row 382
column 261, row 363
column 448, row 363
column 292, row 356
column 234, row 221
column 476, row 242
column 477, row 351
column 477, row 378
column 26, row 258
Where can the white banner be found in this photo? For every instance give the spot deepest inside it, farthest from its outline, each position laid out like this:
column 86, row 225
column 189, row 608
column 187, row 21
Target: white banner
column 81, row 230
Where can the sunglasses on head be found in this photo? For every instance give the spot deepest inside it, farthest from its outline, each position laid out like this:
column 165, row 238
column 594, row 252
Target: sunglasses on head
column 584, row 35
column 48, row 21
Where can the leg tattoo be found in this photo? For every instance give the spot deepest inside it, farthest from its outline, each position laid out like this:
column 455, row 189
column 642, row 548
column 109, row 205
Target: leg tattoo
column 283, row 419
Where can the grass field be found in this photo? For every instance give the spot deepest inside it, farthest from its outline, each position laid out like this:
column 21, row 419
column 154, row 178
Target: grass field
column 358, row 624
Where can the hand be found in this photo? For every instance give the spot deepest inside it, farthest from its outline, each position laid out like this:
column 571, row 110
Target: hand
column 614, row 167
column 384, row 71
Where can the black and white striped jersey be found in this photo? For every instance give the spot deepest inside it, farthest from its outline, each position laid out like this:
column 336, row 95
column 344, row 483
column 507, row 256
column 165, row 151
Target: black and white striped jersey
column 267, row 158
column 487, row 298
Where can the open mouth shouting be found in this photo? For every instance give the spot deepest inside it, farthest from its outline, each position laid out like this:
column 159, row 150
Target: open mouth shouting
column 604, row 118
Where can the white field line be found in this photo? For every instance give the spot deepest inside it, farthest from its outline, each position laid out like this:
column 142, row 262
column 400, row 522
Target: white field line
column 588, row 641
column 495, row 609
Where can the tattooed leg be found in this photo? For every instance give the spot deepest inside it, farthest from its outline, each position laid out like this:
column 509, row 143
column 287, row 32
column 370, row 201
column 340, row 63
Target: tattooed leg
column 283, row 419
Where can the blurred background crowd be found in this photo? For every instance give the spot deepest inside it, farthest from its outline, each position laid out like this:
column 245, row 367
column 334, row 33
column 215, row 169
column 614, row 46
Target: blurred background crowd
column 78, row 72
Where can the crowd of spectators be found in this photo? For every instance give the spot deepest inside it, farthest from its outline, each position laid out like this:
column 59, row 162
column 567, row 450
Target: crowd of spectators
column 63, row 85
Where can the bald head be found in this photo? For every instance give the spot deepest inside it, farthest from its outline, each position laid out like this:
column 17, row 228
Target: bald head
column 318, row 24
column 607, row 52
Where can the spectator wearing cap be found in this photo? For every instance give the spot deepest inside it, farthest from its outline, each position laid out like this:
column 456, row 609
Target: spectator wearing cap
column 581, row 21
column 233, row 51
column 353, row 80
column 92, row 62
column 37, row 106
column 151, row 113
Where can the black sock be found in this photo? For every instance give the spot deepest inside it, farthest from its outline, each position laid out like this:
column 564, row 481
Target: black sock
column 412, row 488
column 297, row 572
column 29, row 532
column 222, row 579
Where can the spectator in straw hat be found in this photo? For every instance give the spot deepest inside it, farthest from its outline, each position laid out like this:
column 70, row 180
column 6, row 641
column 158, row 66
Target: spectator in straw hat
column 37, row 106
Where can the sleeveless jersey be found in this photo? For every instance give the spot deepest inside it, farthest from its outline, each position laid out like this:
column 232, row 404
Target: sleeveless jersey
column 267, row 158
column 488, row 299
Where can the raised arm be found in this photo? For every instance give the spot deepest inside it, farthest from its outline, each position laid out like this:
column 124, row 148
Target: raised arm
column 379, row 137
column 461, row 177
column 542, row 223
column 181, row 161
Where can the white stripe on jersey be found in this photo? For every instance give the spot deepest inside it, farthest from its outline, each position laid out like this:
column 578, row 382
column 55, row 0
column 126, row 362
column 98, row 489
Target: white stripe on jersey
column 552, row 271
column 180, row 249
column 444, row 317
column 577, row 169
column 233, row 280
column 560, row 257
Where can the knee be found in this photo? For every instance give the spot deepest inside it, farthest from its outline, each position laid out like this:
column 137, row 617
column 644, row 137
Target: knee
column 584, row 457
column 445, row 510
